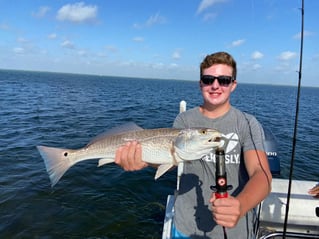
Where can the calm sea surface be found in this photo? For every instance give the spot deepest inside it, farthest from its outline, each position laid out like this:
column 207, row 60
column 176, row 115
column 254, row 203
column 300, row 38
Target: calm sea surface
column 66, row 110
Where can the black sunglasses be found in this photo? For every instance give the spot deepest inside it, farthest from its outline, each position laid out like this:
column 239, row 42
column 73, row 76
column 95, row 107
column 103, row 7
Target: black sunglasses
column 222, row 80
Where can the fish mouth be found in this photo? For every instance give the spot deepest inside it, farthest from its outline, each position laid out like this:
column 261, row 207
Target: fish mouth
column 222, row 140
column 216, row 139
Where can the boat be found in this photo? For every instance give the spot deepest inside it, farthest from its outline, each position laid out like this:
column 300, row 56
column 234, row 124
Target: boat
column 288, row 211
column 303, row 217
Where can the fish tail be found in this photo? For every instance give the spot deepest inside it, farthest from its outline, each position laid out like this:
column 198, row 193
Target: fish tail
column 56, row 162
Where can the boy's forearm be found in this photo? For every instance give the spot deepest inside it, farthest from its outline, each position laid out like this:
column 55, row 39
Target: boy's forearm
column 256, row 190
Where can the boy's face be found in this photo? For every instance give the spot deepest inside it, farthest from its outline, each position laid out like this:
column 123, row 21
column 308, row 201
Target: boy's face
column 216, row 95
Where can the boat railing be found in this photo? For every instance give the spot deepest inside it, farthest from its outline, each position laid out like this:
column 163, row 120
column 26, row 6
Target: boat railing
column 290, row 235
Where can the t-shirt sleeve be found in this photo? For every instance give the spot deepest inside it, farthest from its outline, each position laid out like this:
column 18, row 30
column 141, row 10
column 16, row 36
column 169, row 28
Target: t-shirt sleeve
column 254, row 139
column 179, row 122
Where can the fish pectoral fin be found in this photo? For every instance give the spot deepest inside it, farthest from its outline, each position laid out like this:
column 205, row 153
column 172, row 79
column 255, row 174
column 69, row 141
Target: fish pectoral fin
column 103, row 161
column 163, row 168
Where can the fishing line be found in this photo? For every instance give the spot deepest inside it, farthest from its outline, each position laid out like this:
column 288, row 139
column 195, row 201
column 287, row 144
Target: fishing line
column 256, row 223
column 296, row 122
column 255, row 148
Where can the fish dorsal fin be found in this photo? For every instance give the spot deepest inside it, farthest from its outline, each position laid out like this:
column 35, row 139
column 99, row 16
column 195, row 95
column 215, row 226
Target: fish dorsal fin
column 131, row 126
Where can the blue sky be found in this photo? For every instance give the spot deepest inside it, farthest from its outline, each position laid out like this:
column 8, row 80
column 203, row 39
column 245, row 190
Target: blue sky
column 165, row 39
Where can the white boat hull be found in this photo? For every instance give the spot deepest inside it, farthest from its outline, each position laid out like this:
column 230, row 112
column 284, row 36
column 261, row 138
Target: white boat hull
column 303, row 208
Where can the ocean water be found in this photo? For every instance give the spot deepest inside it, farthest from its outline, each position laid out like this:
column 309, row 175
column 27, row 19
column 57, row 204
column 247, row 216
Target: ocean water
column 66, row 110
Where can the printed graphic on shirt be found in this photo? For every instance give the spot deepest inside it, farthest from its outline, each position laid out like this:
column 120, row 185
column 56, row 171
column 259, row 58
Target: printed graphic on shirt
column 231, row 147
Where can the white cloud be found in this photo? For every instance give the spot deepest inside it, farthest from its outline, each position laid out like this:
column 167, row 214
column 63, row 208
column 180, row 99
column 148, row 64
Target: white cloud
column 176, row 55
column 155, row 19
column 287, row 55
column 283, row 67
column 68, row 44
column 77, row 12
column 19, row 50
column 256, row 66
column 22, row 40
column 4, row 26
column 41, row 12
column 83, row 53
column 306, row 34
column 159, row 65
column 209, row 16
column 152, row 20
column 111, row 48
column 172, row 66
column 257, row 55
column 238, row 43
column 138, row 39
column 207, row 3
column 52, row 36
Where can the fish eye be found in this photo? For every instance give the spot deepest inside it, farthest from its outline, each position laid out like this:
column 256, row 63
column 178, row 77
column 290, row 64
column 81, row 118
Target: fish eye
column 204, row 131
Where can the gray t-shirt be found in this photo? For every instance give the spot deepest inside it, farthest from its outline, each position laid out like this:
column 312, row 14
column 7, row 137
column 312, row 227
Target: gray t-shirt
column 193, row 216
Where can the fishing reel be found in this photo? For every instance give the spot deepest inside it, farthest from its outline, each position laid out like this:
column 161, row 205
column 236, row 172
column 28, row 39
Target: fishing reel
column 221, row 186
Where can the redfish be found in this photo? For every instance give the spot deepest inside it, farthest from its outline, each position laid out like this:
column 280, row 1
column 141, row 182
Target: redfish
column 165, row 147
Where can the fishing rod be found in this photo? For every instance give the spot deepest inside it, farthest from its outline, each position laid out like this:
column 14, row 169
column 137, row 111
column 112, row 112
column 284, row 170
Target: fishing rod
column 296, row 121
column 221, row 186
